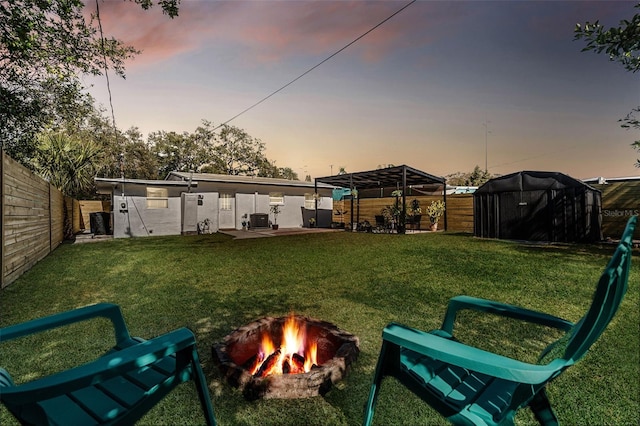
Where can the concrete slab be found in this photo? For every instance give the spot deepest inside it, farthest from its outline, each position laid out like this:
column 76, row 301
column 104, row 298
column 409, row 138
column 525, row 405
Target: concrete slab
column 268, row 232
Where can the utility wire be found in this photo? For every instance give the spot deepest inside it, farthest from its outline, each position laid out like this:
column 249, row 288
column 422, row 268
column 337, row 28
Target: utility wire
column 106, row 69
column 546, row 154
column 315, row 66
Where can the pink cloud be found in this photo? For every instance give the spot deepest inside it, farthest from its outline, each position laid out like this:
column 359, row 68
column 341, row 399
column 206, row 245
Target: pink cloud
column 156, row 35
column 270, row 31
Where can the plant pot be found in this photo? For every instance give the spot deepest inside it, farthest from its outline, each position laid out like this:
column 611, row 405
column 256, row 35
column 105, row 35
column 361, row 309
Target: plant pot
column 433, row 227
column 274, row 227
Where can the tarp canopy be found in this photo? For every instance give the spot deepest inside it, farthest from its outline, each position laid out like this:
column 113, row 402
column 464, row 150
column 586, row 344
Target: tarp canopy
column 340, row 193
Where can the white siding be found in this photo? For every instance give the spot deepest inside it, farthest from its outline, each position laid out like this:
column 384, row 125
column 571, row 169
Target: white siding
column 136, row 220
column 209, row 210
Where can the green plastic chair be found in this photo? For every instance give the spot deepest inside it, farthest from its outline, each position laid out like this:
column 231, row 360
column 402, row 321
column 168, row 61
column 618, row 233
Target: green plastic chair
column 470, row 386
column 117, row 388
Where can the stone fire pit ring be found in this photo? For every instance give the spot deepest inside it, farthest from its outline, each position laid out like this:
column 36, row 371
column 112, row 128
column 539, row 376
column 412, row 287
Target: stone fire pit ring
column 337, row 350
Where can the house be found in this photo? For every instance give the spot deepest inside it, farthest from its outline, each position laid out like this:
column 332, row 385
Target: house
column 187, row 203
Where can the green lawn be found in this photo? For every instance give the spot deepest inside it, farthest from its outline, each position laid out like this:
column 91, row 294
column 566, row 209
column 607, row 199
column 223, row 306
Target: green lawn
column 360, row 282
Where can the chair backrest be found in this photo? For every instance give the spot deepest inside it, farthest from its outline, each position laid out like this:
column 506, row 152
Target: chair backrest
column 118, row 387
column 609, row 293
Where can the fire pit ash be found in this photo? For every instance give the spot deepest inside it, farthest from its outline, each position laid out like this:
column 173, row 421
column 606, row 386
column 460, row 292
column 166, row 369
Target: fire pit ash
column 287, row 357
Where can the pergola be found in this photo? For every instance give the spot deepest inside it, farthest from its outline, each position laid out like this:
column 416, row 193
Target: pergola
column 379, row 183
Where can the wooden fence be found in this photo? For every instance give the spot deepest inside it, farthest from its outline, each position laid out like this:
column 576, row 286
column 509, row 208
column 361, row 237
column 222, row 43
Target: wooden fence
column 620, row 200
column 31, row 219
column 459, row 213
column 91, row 206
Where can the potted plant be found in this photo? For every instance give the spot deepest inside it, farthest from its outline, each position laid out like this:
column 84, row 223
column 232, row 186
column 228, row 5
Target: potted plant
column 415, row 212
column 275, row 209
column 387, row 216
column 435, row 211
column 244, row 222
column 414, row 208
column 399, row 220
column 312, row 222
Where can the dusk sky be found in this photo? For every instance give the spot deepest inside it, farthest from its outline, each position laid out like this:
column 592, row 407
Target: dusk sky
column 418, row 90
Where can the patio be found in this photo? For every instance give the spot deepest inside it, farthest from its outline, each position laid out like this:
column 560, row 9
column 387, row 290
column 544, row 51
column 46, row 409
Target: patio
column 382, row 183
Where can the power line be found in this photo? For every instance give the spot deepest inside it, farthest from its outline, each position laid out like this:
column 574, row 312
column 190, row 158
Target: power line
column 315, row 66
column 106, row 70
column 546, row 154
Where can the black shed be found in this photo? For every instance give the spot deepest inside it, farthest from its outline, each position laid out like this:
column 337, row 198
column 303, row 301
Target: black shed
column 538, row 206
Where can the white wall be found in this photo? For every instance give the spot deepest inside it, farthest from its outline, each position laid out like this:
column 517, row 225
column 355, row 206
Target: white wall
column 138, row 221
column 290, row 215
column 245, row 204
column 135, row 220
column 209, row 210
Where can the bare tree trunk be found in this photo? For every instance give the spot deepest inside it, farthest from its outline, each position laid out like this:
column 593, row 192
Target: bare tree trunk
column 68, row 234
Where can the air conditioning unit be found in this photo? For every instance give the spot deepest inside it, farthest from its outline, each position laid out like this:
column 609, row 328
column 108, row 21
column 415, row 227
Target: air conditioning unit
column 259, row 220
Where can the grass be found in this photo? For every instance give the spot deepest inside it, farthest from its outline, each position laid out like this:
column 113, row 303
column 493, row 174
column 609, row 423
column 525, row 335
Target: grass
column 360, row 282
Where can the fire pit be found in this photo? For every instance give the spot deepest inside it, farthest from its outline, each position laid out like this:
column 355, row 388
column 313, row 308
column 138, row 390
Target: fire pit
column 288, row 357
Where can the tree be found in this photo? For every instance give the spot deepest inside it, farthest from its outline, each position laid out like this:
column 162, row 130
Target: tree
column 231, row 151
column 179, row 152
column 282, row 172
column 622, row 44
column 69, row 164
column 631, row 121
column 240, row 153
column 45, row 47
column 475, row 178
column 268, row 169
column 122, row 152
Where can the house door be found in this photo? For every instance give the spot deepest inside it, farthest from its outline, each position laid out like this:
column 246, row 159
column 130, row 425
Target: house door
column 227, row 211
column 189, row 213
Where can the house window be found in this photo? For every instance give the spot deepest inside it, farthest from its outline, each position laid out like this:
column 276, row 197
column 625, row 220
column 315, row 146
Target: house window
column 157, row 198
column 309, row 201
column 276, row 198
column 225, row 201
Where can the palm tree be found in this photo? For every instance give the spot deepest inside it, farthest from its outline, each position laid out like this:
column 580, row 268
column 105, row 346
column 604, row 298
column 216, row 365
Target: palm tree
column 69, row 164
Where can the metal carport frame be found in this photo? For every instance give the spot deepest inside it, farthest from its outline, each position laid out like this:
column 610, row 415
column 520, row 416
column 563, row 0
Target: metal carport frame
column 397, row 177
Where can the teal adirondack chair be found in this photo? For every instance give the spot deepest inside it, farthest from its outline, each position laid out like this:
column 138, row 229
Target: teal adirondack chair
column 117, row 388
column 470, row 386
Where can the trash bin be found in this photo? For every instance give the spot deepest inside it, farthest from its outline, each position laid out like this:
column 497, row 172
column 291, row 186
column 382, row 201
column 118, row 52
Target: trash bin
column 99, row 222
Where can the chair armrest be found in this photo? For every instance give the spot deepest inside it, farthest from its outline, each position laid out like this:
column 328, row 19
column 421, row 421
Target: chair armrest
column 475, row 359
column 112, row 365
column 466, row 302
column 106, row 310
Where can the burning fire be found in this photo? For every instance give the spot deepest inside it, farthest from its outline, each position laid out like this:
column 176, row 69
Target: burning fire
column 295, row 355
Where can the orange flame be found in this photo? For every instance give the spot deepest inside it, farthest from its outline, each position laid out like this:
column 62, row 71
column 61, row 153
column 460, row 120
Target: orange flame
column 312, row 358
column 295, row 354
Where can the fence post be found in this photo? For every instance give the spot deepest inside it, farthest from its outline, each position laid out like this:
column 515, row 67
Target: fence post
column 2, row 192
column 50, row 221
